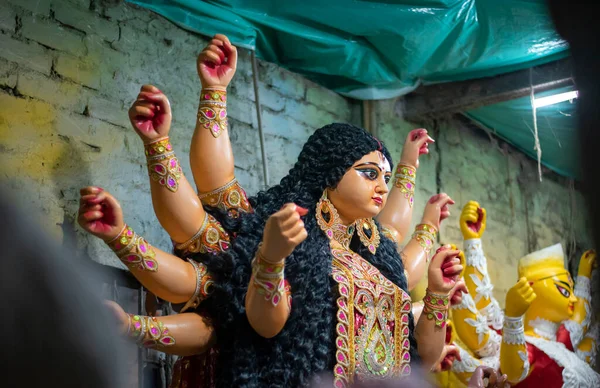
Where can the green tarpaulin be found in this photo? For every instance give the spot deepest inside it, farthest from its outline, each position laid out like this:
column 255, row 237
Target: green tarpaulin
column 557, row 123
column 379, row 49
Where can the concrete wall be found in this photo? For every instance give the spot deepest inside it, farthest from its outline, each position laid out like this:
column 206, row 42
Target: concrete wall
column 523, row 214
column 69, row 69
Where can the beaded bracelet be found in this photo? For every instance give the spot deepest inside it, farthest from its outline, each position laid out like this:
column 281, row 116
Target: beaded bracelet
column 134, row 251
column 404, row 179
column 163, row 166
column 436, row 307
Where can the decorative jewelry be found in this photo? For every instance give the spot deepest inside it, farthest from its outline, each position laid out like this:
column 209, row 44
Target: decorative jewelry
column 436, row 307
column 134, row 251
column 203, row 284
column 425, row 236
column 370, row 242
column 158, row 333
column 210, row 238
column 405, row 180
column 513, row 332
column 391, row 234
column 328, row 220
column 212, row 112
column 163, row 166
column 269, row 278
column 230, row 198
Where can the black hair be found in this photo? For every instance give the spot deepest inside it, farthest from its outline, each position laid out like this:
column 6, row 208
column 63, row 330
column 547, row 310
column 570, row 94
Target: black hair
column 306, row 345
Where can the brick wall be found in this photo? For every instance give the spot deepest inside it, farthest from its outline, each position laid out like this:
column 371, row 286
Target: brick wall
column 70, row 69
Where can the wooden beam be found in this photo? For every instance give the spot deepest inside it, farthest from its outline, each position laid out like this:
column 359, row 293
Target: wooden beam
column 444, row 99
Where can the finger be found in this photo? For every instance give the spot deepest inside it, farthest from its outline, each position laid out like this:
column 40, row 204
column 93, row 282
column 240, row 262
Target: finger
column 289, row 219
column 493, row 379
column 301, row 236
column 434, row 198
column 217, row 42
column 91, row 216
column 483, row 214
column 531, row 298
column 222, row 38
column 142, row 112
column 295, row 229
column 527, row 293
column 462, row 287
column 217, row 50
column 207, row 57
column 440, row 257
column 162, row 101
column 232, row 55
column 441, row 200
column 150, row 89
column 453, row 271
column 301, row 211
column 90, row 190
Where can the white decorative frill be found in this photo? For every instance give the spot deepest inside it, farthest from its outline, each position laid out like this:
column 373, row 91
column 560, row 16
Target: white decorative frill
column 576, row 373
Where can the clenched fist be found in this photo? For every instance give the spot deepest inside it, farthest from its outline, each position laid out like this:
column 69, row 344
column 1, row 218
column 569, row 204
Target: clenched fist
column 587, row 263
column 437, row 210
column 100, row 213
column 150, row 114
column 472, row 221
column 444, row 270
column 519, row 298
column 217, row 63
column 417, row 143
column 284, row 231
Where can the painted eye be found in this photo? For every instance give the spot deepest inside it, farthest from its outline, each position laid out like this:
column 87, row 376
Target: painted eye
column 566, row 293
column 370, row 174
column 387, row 179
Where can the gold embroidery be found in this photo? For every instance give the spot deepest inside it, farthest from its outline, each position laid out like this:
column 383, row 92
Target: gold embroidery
column 230, row 198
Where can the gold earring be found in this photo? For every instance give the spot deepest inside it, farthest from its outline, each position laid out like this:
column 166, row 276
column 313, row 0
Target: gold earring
column 372, row 243
column 334, row 229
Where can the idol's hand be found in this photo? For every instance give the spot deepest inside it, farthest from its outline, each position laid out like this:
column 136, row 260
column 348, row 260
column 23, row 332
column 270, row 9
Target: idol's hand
column 119, row 314
column 437, row 210
column 217, row 63
column 472, row 221
column 519, row 298
column 449, row 354
column 284, row 231
column 444, row 270
column 416, row 144
column 486, row 377
column 100, row 213
column 587, row 263
column 150, row 114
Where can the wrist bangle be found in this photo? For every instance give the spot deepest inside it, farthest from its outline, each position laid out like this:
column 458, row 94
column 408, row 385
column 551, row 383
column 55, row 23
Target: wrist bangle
column 425, row 235
column 435, row 306
column 163, row 166
column 405, row 180
column 269, row 279
column 134, row 251
column 212, row 110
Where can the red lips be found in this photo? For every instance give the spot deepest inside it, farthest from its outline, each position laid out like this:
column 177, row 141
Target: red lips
column 378, row 200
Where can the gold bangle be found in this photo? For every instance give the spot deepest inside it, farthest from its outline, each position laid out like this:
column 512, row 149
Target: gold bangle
column 212, row 111
column 404, row 179
column 435, row 306
column 163, row 166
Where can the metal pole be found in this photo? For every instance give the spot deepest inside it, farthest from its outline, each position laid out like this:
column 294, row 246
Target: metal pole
column 259, row 121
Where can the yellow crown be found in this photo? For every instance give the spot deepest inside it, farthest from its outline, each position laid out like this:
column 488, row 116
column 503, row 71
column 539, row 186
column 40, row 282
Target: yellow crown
column 543, row 263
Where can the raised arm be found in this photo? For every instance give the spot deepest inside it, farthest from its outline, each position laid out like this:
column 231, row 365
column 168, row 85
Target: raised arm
column 472, row 224
column 514, row 358
column 430, row 330
column 175, row 202
column 211, row 156
column 165, row 275
column 397, row 213
column 415, row 255
column 573, row 331
column 182, row 334
column 269, row 297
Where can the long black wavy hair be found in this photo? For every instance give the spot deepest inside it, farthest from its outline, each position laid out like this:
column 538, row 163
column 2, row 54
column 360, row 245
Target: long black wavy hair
column 306, row 345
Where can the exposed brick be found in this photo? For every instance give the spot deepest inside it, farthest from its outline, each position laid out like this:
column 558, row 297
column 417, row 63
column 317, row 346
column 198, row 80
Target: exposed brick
column 37, row 7
column 81, row 70
column 310, row 114
column 30, row 55
column 60, row 93
column 132, row 40
column 285, row 126
column 111, row 111
column 86, row 21
column 128, row 12
column 7, row 18
column 53, row 35
column 8, row 73
column 287, row 83
column 242, row 110
column 328, row 100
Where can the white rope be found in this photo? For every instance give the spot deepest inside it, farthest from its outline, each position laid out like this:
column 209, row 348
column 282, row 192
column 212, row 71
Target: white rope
column 537, row 147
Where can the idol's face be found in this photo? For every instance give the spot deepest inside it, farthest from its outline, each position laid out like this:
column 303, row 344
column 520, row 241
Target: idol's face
column 363, row 191
column 555, row 297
